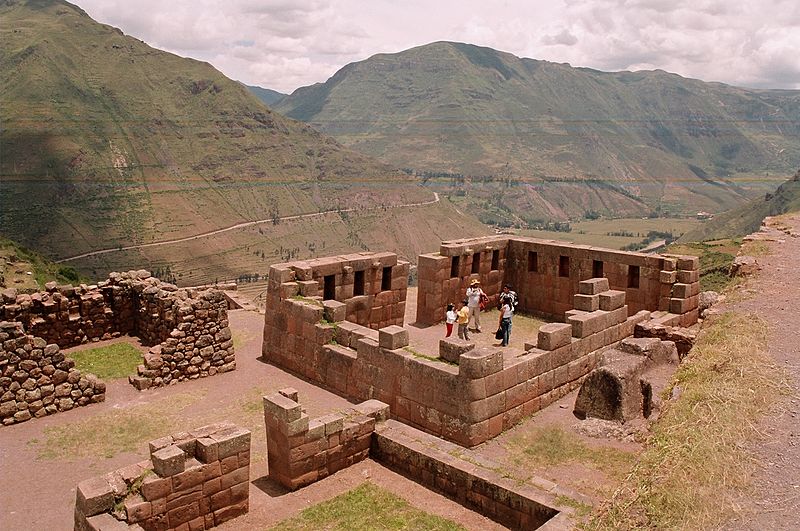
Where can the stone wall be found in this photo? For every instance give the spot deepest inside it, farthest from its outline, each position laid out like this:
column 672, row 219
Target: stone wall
column 301, row 451
column 195, row 480
column 545, row 274
column 188, row 327
column 368, row 288
column 487, row 391
column 36, row 379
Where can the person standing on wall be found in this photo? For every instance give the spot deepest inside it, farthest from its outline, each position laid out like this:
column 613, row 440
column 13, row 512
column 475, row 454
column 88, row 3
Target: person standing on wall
column 504, row 326
column 474, row 296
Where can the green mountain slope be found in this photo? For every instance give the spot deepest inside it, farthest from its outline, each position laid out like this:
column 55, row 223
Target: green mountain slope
column 267, row 96
column 747, row 219
column 108, row 142
column 678, row 144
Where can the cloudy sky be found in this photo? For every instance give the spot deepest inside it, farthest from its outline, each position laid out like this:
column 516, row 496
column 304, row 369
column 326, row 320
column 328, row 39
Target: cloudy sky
column 285, row 44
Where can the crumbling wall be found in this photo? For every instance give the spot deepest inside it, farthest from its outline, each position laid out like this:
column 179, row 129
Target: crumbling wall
column 546, row 274
column 196, row 480
column 369, row 287
column 301, row 451
column 36, row 379
column 187, row 327
column 487, row 391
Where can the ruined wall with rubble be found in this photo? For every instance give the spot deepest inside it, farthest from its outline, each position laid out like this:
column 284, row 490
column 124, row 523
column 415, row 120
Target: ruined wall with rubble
column 187, row 328
column 476, row 395
column 545, row 274
column 36, row 379
column 370, row 288
column 196, row 480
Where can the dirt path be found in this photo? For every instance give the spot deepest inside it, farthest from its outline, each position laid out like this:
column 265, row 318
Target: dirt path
column 243, row 225
column 774, row 501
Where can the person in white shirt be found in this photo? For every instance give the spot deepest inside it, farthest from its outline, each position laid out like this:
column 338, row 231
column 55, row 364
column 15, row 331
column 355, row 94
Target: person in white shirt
column 450, row 318
column 506, row 313
column 474, row 295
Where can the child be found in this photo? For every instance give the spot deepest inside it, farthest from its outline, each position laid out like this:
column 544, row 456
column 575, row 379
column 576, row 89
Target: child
column 450, row 318
column 463, row 321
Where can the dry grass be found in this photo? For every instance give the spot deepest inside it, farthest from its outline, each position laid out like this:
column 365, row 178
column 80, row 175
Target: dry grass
column 756, row 248
column 114, row 432
column 552, row 445
column 695, row 464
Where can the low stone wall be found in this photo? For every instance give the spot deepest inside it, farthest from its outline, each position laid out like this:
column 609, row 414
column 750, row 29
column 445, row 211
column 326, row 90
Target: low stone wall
column 195, row 480
column 469, row 479
column 546, row 274
column 36, row 379
column 364, row 288
column 487, row 391
column 188, row 327
column 301, row 451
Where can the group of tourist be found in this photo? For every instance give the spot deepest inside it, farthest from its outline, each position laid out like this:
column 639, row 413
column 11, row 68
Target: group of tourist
column 470, row 312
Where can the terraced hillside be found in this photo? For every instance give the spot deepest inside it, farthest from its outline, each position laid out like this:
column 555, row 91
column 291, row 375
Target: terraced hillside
column 546, row 140
column 107, row 142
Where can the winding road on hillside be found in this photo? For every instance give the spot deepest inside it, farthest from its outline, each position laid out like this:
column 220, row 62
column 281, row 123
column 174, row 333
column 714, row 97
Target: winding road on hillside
column 243, row 225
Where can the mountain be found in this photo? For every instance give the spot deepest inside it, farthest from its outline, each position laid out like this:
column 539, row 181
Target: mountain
column 481, row 115
column 107, row 142
column 268, row 96
column 747, row 219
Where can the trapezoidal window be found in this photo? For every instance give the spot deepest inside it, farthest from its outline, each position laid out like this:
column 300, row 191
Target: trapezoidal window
column 329, row 288
column 476, row 263
column 454, row 266
column 633, row 276
column 358, row 283
column 563, row 266
column 386, row 279
column 597, row 269
column 495, row 259
column 533, row 262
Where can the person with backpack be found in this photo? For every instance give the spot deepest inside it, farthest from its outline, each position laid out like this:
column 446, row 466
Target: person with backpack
column 504, row 326
column 509, row 295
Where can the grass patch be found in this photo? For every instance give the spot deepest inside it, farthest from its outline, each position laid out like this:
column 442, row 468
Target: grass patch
column 694, row 465
column 366, row 507
column 581, row 509
column 716, row 258
column 552, row 445
column 117, row 360
column 117, row 431
column 756, row 249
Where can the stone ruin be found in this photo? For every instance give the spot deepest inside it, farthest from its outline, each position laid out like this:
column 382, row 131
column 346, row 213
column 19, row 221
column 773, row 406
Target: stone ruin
column 196, row 480
column 468, row 395
column 187, row 330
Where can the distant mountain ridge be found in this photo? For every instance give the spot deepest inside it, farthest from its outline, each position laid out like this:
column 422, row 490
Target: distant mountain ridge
column 268, row 96
column 107, row 142
column 678, row 144
column 747, row 218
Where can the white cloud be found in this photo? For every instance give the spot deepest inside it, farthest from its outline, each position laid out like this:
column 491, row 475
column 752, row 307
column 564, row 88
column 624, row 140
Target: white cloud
column 283, row 44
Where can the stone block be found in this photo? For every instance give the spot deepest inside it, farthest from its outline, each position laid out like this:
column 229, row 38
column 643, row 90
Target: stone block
column 481, row 362
column 450, row 348
column 667, row 277
column 688, row 262
column 554, row 335
column 593, row 286
column 680, row 306
column 94, row 496
column 393, row 337
column 290, row 393
column 308, row 288
column 334, row 311
column 586, row 303
column 611, row 300
column 168, row 461
column 281, row 409
column 688, row 277
column 669, row 264
column 375, row 409
column 684, row 291
column 584, row 324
